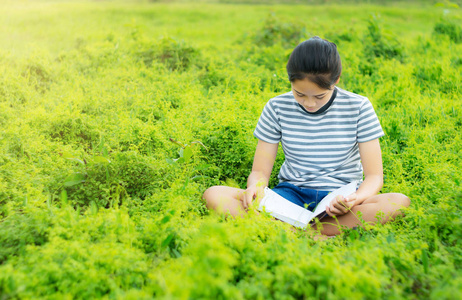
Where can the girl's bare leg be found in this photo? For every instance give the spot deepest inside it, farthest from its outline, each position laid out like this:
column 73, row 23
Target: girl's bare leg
column 387, row 205
column 225, row 200
column 228, row 200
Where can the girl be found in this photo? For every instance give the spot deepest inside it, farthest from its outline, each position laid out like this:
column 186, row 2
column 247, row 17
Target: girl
column 330, row 137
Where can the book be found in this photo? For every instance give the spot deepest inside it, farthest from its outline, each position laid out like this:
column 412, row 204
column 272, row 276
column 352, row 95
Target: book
column 284, row 210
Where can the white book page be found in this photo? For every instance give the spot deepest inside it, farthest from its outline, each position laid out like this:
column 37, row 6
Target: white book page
column 343, row 191
column 284, row 210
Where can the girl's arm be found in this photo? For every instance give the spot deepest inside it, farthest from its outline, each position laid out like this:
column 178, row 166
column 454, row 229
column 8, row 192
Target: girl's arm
column 371, row 159
column 263, row 162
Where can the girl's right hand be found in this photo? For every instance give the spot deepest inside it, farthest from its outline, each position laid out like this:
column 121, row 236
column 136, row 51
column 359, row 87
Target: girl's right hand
column 253, row 192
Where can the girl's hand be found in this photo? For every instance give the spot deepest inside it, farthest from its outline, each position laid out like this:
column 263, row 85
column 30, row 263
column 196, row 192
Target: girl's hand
column 351, row 200
column 254, row 192
column 341, row 205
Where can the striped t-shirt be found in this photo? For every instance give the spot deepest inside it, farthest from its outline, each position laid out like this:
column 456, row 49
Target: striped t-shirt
column 321, row 150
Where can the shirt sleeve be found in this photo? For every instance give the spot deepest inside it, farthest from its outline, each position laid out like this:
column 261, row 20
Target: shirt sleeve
column 268, row 127
column 369, row 127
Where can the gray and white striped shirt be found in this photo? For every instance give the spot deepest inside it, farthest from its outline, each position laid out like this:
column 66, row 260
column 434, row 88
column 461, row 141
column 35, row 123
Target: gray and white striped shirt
column 321, row 150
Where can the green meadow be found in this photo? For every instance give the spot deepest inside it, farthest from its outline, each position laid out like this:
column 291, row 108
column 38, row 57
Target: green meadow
column 116, row 116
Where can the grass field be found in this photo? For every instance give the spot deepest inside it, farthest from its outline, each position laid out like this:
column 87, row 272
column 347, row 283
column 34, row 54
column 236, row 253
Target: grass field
column 115, row 117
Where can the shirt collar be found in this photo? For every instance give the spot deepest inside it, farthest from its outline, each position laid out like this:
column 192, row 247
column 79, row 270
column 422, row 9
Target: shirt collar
column 325, row 107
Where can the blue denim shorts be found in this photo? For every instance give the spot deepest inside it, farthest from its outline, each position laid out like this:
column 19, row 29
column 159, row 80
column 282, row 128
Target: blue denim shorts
column 307, row 198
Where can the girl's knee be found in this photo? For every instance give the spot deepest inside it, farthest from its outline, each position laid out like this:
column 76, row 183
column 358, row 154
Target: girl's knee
column 394, row 199
column 223, row 199
column 406, row 200
column 210, row 195
column 401, row 199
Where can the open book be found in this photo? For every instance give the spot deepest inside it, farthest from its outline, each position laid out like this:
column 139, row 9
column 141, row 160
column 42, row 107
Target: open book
column 284, row 210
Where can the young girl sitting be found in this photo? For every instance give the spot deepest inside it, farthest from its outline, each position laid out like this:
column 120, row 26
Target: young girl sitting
column 329, row 136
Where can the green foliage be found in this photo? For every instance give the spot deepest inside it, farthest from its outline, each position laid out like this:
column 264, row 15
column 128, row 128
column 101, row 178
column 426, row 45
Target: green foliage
column 340, row 36
column 129, row 176
column 450, row 29
column 226, row 151
column 274, row 41
column 112, row 128
column 69, row 129
column 22, row 229
column 38, row 76
column 277, row 31
column 77, row 269
column 447, row 4
column 175, row 55
column 381, row 43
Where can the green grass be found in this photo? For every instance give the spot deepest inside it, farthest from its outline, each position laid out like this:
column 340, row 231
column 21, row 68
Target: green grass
column 115, row 117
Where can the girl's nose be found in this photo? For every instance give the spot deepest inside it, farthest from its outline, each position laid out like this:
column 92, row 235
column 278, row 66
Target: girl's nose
column 309, row 103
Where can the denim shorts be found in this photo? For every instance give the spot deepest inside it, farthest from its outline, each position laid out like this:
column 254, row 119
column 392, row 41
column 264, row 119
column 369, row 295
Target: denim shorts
column 306, row 198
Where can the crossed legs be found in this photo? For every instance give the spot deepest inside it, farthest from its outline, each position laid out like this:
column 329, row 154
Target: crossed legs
column 228, row 200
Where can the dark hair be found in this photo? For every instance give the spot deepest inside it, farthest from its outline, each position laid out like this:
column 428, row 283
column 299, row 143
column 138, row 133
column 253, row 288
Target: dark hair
column 316, row 59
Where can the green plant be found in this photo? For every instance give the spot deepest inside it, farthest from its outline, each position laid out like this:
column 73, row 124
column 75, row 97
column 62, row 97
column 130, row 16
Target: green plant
column 450, row 29
column 381, row 43
column 174, row 54
column 232, row 157
column 19, row 230
column 185, row 159
column 277, row 31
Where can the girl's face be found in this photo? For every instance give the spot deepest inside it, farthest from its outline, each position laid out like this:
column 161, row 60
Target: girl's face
column 310, row 95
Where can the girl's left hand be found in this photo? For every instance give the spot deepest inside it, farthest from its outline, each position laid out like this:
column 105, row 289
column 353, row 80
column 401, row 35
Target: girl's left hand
column 351, row 200
column 341, row 205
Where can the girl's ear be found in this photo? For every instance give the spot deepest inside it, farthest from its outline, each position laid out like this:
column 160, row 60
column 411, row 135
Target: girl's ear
column 338, row 79
column 336, row 82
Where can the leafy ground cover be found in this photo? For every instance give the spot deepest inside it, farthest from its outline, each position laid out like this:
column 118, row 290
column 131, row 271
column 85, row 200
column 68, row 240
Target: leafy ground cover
column 115, row 117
